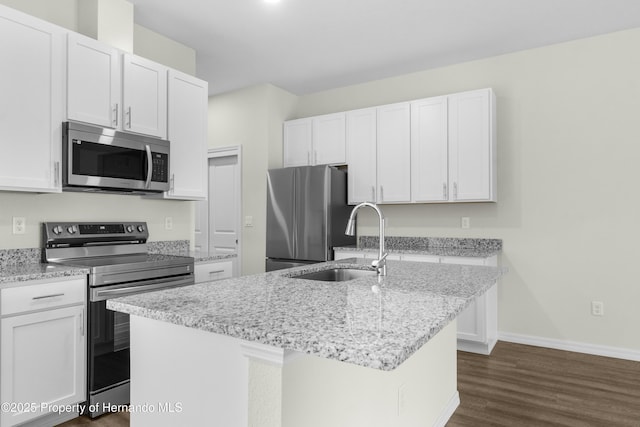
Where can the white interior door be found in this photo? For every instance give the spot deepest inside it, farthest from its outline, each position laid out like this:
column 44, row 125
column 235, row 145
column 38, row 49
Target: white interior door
column 217, row 219
column 224, row 191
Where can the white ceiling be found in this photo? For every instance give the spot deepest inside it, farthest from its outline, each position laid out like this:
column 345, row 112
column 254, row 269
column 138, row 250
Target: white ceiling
column 305, row 46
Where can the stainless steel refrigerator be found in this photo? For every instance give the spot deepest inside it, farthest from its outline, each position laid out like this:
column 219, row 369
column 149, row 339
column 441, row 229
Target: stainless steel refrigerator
column 307, row 213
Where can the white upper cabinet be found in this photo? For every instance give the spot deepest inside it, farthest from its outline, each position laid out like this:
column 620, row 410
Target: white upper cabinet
column 318, row 140
column 117, row 90
column 93, row 82
column 472, row 146
column 429, row 150
column 328, row 140
column 433, row 150
column 394, row 153
column 188, row 98
column 297, row 142
column 144, row 96
column 31, row 99
column 361, row 155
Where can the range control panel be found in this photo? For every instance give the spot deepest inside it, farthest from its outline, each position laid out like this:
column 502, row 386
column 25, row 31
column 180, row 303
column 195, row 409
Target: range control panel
column 79, row 233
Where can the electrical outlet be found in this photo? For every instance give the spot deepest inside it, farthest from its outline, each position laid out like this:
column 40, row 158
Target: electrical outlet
column 248, row 221
column 19, row 225
column 168, row 223
column 465, row 222
column 597, row 308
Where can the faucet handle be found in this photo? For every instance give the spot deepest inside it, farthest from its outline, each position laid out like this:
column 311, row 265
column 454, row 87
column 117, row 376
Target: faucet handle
column 377, row 262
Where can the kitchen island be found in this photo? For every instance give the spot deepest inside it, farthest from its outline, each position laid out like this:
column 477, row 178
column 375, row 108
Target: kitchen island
column 273, row 350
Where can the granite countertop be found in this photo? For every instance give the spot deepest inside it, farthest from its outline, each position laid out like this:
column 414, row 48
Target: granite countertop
column 37, row 271
column 21, row 265
column 437, row 246
column 181, row 248
column 200, row 256
column 372, row 322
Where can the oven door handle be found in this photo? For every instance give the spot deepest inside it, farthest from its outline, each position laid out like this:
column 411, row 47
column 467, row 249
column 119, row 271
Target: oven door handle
column 102, row 294
column 149, row 166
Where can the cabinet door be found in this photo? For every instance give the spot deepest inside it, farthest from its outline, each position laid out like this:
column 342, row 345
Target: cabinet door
column 329, row 136
column 472, row 321
column 472, row 146
column 42, row 360
column 297, row 142
column 93, row 81
column 394, row 153
column 144, row 96
column 187, row 133
column 215, row 270
column 30, row 103
column 429, row 157
column 361, row 155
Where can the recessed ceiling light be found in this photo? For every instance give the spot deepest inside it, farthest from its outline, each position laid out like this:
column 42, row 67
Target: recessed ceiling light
column 272, row 1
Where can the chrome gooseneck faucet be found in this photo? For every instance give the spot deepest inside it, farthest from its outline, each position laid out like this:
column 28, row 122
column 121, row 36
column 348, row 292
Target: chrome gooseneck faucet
column 379, row 264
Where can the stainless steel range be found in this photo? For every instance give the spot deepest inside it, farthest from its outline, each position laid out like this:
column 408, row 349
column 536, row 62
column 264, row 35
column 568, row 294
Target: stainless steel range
column 119, row 264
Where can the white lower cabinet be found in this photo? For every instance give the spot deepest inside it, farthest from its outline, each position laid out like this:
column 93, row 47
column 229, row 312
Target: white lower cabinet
column 478, row 323
column 43, row 350
column 208, row 271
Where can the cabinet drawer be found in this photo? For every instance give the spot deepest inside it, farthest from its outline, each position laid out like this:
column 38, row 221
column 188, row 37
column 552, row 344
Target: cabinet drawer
column 42, row 295
column 213, row 271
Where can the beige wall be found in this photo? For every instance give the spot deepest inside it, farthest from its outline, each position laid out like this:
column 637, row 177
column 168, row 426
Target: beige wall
column 569, row 197
column 163, row 50
column 252, row 118
column 76, row 206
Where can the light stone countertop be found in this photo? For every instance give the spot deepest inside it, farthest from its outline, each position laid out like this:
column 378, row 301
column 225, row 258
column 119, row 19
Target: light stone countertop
column 436, row 246
column 435, row 251
column 36, row 271
column 372, row 323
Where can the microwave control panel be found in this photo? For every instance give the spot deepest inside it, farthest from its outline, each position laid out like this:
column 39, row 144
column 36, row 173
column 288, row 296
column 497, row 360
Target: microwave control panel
column 160, row 170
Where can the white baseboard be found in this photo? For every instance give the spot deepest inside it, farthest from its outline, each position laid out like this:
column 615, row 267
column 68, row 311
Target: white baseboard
column 578, row 347
column 448, row 411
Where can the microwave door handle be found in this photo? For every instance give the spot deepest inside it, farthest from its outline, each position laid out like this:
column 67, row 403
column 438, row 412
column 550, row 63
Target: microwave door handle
column 149, row 166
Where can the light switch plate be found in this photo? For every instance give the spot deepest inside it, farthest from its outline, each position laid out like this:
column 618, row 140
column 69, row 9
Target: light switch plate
column 248, row 221
column 465, row 222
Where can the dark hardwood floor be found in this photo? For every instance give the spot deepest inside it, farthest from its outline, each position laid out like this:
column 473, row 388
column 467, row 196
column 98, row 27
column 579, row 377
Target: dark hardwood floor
column 522, row 386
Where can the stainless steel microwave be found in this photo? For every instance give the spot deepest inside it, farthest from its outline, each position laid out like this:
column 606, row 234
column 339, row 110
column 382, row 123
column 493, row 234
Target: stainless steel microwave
column 102, row 159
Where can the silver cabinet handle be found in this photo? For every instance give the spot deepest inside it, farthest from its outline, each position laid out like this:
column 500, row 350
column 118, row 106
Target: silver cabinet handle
column 149, row 166
column 215, row 272
column 444, row 191
column 82, row 324
column 129, row 117
column 115, row 116
column 48, row 296
column 455, row 191
column 56, row 174
column 308, row 157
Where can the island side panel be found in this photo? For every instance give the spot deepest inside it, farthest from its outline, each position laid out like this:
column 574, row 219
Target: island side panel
column 422, row 391
column 186, row 377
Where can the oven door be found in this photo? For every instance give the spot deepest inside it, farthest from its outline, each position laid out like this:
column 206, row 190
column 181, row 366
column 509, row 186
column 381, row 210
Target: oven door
column 96, row 158
column 108, row 352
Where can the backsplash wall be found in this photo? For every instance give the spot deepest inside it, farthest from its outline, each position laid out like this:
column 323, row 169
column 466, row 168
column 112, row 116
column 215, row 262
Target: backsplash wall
column 37, row 208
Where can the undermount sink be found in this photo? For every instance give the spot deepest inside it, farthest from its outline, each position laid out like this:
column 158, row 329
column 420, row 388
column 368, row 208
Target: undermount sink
column 336, row 274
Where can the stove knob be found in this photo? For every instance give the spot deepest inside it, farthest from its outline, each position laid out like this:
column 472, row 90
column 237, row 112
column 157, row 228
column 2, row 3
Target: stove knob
column 129, row 228
column 57, row 230
column 141, row 228
column 71, row 229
